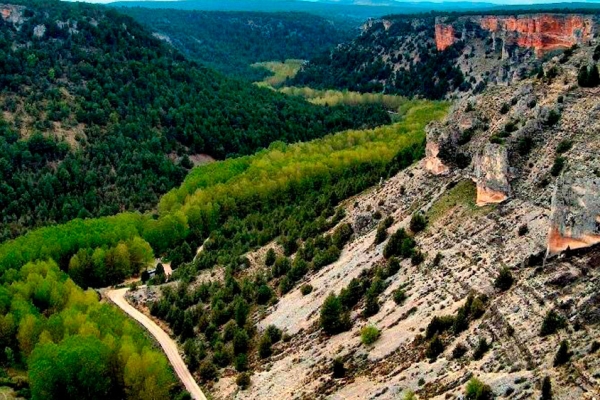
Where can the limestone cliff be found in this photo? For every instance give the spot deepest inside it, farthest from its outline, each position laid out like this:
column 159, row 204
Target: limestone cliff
column 491, row 175
column 541, row 32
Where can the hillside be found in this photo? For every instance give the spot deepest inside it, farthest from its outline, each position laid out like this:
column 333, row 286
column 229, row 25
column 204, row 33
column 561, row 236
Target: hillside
column 445, row 56
column 231, row 41
column 100, row 117
column 474, row 270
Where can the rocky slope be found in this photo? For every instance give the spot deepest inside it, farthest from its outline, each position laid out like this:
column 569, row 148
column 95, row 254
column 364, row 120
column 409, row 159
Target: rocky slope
column 493, row 198
column 448, row 56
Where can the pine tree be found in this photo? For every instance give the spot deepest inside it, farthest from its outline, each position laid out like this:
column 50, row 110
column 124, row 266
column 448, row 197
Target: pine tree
column 593, row 77
column 583, row 76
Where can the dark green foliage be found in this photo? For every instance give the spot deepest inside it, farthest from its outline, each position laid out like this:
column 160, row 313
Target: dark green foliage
column 564, row 146
column 136, row 110
column 588, row 76
column 359, row 66
column 459, row 351
column 399, row 244
column 240, row 342
column 399, row 296
column 392, row 268
column 281, row 267
column 563, row 355
column 230, row 44
column 523, row 229
column 264, row 346
column 434, row 348
column 274, row 333
column 553, row 118
column 241, row 362
column 371, row 305
column 270, row 257
column 381, row 234
column 334, row 318
column 557, row 167
column 418, row 222
column 504, row 280
column 243, row 380
column 208, row 371
column 524, row 145
column 439, row 325
column 505, row 108
column 546, row 389
column 417, row 258
column 263, row 294
column 594, row 347
column 306, row 289
column 342, row 235
column 477, row 390
column 552, row 323
column 338, row 368
column 482, row 348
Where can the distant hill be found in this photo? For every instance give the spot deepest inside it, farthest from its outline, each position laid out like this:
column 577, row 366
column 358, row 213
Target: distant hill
column 231, row 41
column 100, row 117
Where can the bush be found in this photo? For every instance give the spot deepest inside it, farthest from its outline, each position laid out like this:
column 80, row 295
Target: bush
column 546, row 389
column 482, row 348
column 334, row 318
column 563, row 355
column 564, row 146
column 371, row 305
column 281, row 266
column 417, row 258
column 552, row 323
column 274, row 333
column 523, row 229
column 439, row 325
column 459, row 351
column 264, row 346
column 418, row 222
column 381, row 234
column 435, row 348
column 553, row 118
column 243, row 380
column 338, row 368
column 306, row 289
column 557, row 167
column 399, row 296
column 342, row 235
column 369, row 334
column 504, row 109
column 504, row 280
column 393, row 266
column 270, row 258
column 477, row 390
column 240, row 341
column 241, row 362
column 208, row 371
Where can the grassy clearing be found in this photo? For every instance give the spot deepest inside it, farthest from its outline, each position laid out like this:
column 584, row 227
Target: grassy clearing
column 461, row 196
column 281, row 71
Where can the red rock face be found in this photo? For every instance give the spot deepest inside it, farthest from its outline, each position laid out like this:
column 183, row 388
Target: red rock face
column 542, row 32
column 444, row 36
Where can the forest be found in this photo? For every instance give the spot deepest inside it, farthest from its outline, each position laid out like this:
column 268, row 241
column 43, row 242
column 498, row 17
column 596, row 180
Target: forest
column 359, row 65
column 230, row 42
column 101, row 117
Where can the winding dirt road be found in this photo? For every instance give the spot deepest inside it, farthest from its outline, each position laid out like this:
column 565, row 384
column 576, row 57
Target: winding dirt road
column 169, row 346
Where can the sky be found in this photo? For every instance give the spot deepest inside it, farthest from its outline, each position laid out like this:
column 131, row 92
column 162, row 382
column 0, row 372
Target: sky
column 399, row 2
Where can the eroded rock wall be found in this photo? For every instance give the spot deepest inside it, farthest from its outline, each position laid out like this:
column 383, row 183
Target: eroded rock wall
column 491, row 175
column 575, row 221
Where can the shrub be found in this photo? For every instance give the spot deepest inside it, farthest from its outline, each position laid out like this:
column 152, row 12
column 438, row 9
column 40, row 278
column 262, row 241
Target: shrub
column 482, row 348
column 459, row 351
column 552, row 323
column 381, row 234
column 546, row 389
column 263, row 294
column 371, row 305
column 338, row 368
column 393, row 266
column 264, row 346
column 437, row 259
column 399, row 296
column 435, row 348
column 388, row 221
column 306, row 289
column 342, row 235
column 241, row 362
column 418, row 222
column 208, row 371
column 523, row 229
column 334, row 318
column 595, row 344
column 524, row 145
column 243, row 380
column 285, row 285
column 417, row 258
column 477, row 390
column 504, row 109
column 504, row 280
column 240, row 341
column 369, row 334
column 564, row 146
column 281, row 266
column 270, row 258
column 439, row 325
column 394, row 246
column 553, row 118
column 274, row 333
column 563, row 355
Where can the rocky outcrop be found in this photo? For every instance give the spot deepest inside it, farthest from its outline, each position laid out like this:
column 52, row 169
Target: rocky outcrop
column 11, row 13
column 444, row 36
column 575, row 221
column 39, row 31
column 541, row 32
column 491, row 175
column 432, row 162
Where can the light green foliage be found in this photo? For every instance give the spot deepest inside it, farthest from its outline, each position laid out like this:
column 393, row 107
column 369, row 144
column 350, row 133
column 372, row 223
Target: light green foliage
column 281, row 71
column 75, row 346
column 369, row 334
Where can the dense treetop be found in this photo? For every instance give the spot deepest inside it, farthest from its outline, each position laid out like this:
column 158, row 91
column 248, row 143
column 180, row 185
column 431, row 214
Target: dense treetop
column 231, row 41
column 100, row 116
